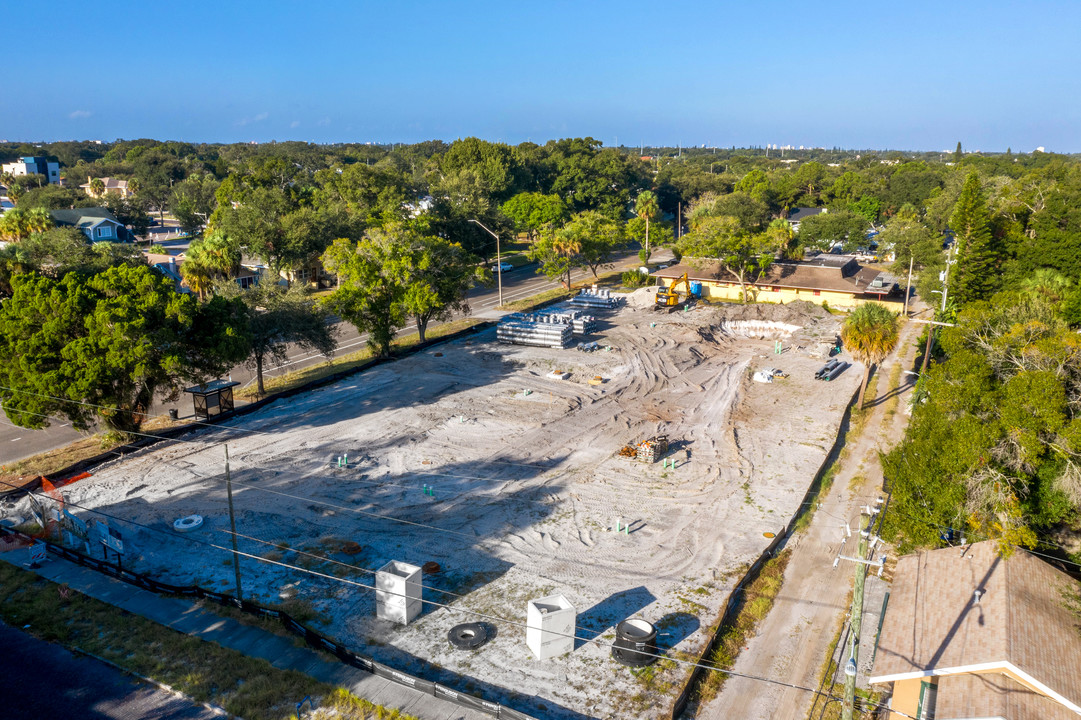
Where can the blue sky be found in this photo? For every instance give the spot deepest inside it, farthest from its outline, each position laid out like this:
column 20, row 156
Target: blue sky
column 908, row 75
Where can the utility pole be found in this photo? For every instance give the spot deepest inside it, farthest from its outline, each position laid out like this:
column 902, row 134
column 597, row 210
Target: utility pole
column 498, row 262
column 908, row 288
column 232, row 526
column 945, row 276
column 856, row 620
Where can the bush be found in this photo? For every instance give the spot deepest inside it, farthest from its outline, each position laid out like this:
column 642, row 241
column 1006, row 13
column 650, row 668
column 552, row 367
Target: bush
column 643, row 255
column 635, row 279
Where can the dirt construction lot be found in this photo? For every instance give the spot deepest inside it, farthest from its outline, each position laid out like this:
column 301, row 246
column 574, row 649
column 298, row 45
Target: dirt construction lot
column 524, row 489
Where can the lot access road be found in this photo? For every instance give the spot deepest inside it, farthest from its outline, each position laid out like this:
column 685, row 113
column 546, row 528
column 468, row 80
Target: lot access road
column 17, row 443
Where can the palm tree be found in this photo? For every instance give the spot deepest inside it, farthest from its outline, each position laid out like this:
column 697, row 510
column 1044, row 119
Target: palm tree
column 209, row 260
column 97, row 187
column 38, row 220
column 646, row 208
column 133, row 186
column 15, row 224
column 870, row 333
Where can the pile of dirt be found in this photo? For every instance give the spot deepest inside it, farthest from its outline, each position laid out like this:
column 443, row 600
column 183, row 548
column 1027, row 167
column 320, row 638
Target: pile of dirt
column 799, row 312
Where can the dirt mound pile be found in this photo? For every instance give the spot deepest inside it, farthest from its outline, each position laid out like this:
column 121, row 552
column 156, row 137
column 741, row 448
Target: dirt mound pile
column 799, row 312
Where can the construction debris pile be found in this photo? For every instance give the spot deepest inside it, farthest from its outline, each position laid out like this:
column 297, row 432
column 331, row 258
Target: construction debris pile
column 518, row 330
column 648, row 451
column 596, row 297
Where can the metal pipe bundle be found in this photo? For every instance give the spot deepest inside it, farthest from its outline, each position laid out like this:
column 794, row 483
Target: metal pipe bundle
column 520, row 331
column 595, row 298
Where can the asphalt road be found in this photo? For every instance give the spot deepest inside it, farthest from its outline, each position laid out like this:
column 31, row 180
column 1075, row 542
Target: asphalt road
column 42, row 680
column 17, row 443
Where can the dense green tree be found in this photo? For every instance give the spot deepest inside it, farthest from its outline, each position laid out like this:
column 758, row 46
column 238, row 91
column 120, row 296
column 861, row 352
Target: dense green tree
column 908, row 238
column 110, row 341
column 825, row 230
column 534, row 212
column 56, row 252
column 54, row 197
column 741, row 255
column 995, row 448
column 440, row 273
column 130, row 211
column 869, row 333
column 596, row 236
column 972, row 276
column 752, row 214
column 193, row 200
column 277, row 318
column 372, row 282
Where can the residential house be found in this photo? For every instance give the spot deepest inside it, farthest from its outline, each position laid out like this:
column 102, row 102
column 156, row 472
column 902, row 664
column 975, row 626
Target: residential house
column 109, row 185
column 98, row 224
column 798, row 215
column 34, row 166
column 169, row 266
column 837, row 280
column 968, row 633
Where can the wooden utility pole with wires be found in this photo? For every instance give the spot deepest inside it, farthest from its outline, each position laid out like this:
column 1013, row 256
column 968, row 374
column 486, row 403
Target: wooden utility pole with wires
column 867, row 516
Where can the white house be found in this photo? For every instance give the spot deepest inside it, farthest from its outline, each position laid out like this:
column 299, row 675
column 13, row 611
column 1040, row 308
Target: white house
column 34, row 165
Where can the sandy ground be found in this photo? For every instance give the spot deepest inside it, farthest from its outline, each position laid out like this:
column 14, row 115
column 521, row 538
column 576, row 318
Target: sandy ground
column 527, row 486
column 794, row 640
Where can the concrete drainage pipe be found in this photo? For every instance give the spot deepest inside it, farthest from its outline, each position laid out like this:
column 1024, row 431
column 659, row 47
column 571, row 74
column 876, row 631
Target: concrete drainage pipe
column 636, row 643
column 189, row 523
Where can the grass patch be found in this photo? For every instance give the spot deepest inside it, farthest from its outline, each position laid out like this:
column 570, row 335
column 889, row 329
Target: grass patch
column 894, row 397
column 249, row 687
column 754, row 604
column 351, row 361
column 804, row 520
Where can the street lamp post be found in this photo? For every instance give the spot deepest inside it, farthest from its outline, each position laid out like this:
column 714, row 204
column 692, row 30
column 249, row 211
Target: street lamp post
column 498, row 267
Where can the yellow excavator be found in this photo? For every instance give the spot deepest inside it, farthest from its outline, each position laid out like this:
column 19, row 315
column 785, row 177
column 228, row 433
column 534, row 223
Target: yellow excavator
column 668, row 298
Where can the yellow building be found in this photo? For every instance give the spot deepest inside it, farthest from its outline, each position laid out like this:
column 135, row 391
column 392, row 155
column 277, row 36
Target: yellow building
column 970, row 634
column 838, row 280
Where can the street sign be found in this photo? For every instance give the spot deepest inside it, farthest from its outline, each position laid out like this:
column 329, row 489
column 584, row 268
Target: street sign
column 38, row 553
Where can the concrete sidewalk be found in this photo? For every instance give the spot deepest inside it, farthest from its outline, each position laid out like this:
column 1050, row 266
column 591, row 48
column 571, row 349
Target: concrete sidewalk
column 190, row 618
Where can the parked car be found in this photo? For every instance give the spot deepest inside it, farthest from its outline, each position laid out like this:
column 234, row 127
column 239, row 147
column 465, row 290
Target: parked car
column 502, row 267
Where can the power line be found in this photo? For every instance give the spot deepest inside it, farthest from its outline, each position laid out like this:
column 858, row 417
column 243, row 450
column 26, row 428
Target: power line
column 450, row 608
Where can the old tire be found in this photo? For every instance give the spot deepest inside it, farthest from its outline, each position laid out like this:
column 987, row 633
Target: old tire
column 467, row 636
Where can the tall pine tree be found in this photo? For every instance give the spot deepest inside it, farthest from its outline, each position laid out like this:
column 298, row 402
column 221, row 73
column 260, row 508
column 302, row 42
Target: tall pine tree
column 957, row 156
column 971, row 277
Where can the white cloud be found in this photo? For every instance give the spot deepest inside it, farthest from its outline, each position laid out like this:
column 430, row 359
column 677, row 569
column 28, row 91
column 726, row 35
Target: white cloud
column 247, row 121
column 79, row 114
column 324, row 122
column 295, row 123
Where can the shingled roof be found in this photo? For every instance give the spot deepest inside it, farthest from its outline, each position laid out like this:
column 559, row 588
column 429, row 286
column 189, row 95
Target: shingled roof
column 834, row 273
column 955, row 611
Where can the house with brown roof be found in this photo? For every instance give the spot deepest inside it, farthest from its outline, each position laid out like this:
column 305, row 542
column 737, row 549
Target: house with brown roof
column 970, row 634
column 838, row 280
column 108, row 185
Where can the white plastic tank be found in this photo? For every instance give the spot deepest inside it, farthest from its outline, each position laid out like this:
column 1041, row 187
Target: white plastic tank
column 550, row 625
